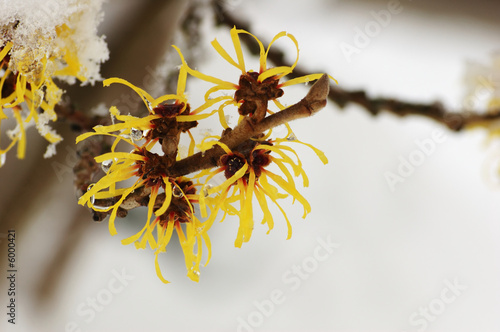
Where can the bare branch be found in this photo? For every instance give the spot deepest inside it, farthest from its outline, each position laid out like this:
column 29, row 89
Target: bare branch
column 453, row 120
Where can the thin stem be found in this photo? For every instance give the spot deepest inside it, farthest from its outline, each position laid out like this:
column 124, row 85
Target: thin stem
column 453, row 120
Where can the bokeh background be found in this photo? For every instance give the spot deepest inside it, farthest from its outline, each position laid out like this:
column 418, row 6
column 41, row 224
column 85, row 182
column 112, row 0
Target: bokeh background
column 422, row 257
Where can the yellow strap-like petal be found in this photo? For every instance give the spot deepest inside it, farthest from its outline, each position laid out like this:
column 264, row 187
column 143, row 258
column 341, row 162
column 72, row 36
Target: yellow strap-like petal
column 209, row 246
column 5, row 50
column 237, row 48
column 146, row 97
column 21, row 145
column 168, row 197
column 167, row 235
column 266, row 189
column 111, row 224
column 119, row 155
column 276, row 71
column 197, row 74
column 268, row 217
column 158, row 270
column 222, row 52
column 291, row 190
column 181, row 82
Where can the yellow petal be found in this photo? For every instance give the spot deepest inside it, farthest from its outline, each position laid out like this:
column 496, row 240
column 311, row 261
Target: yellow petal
column 146, row 97
column 229, row 181
column 199, row 75
column 119, row 155
column 111, row 224
column 168, row 197
column 304, row 79
column 209, row 246
column 276, row 71
column 291, row 190
column 5, row 50
column 181, row 82
column 222, row 52
column 158, row 270
column 237, row 48
column 21, row 145
column 268, row 217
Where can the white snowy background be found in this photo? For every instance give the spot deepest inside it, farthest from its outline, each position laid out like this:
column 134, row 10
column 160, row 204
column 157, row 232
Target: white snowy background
column 423, row 257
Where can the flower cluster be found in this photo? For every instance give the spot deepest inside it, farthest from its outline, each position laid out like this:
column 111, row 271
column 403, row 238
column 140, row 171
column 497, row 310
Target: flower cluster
column 36, row 47
column 252, row 162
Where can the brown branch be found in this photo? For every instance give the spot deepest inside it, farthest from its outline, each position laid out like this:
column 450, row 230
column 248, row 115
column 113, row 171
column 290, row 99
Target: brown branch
column 248, row 128
column 313, row 102
column 453, row 120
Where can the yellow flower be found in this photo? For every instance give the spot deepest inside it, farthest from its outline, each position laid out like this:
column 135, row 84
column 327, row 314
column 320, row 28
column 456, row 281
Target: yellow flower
column 167, row 113
column 122, row 166
column 167, row 117
column 179, row 214
column 29, row 63
column 25, row 90
column 172, row 207
column 248, row 176
column 253, row 86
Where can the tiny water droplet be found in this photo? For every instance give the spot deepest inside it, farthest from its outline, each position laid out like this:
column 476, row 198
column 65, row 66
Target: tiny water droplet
column 106, row 165
column 149, row 105
column 291, row 137
column 206, row 189
column 177, row 192
column 102, row 208
column 199, row 229
column 92, row 199
column 136, row 134
column 196, row 272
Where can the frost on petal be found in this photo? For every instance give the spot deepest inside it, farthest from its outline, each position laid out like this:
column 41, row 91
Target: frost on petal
column 36, row 30
column 51, row 150
column 42, row 42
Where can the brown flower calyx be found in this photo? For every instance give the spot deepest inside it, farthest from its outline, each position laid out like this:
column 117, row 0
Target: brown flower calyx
column 152, row 169
column 167, row 129
column 257, row 158
column 179, row 209
column 9, row 85
column 251, row 92
column 167, row 124
column 232, row 163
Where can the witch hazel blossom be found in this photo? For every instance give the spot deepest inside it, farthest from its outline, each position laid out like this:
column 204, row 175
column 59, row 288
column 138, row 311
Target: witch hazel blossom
column 37, row 50
column 220, row 176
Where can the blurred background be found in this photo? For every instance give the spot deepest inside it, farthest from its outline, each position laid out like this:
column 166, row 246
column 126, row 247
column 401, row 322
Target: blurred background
column 421, row 254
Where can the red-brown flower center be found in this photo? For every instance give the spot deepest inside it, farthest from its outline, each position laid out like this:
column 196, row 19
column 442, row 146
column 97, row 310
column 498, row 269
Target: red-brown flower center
column 251, row 90
column 232, row 163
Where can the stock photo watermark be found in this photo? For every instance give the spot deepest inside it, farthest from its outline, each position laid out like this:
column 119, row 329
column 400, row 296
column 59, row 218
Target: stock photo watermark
column 292, row 279
column 88, row 309
column 408, row 164
column 484, row 88
column 363, row 36
column 425, row 315
column 11, row 273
